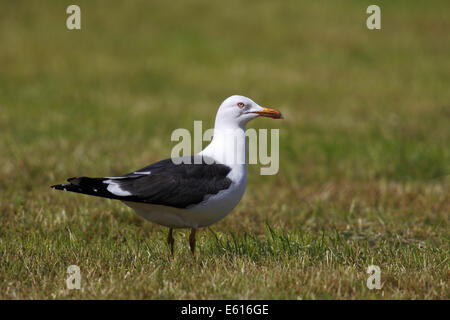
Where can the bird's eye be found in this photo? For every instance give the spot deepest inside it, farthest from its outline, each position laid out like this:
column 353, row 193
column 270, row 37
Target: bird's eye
column 241, row 105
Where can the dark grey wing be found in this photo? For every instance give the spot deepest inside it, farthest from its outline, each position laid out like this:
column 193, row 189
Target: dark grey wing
column 163, row 183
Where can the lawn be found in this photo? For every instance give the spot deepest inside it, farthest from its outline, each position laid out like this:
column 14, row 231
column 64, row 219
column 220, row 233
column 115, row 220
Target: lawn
column 364, row 147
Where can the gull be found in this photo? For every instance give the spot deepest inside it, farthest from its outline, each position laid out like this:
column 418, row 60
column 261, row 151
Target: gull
column 190, row 191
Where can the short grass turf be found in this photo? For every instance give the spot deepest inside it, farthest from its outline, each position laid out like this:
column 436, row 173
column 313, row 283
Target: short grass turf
column 364, row 147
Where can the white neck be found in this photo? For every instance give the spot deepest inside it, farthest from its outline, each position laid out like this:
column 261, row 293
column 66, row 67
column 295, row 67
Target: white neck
column 228, row 145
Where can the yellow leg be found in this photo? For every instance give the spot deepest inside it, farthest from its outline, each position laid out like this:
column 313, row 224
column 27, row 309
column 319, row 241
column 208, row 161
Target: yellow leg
column 192, row 240
column 170, row 240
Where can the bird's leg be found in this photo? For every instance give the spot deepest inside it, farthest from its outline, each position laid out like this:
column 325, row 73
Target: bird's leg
column 192, row 240
column 170, row 240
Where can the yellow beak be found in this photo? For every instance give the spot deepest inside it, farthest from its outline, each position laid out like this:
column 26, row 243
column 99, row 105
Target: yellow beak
column 270, row 113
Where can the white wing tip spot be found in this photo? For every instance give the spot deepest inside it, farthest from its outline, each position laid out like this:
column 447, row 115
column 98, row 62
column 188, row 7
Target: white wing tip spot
column 114, row 188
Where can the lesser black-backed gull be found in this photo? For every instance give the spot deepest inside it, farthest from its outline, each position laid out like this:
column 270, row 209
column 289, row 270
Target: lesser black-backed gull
column 187, row 192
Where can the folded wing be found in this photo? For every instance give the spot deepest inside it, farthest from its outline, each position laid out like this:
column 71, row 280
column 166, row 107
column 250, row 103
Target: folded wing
column 163, row 183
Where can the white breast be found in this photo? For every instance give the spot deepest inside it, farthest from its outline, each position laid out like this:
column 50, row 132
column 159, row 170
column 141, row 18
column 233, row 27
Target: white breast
column 212, row 209
column 225, row 149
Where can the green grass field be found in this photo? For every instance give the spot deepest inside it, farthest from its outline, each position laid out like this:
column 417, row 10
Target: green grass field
column 364, row 147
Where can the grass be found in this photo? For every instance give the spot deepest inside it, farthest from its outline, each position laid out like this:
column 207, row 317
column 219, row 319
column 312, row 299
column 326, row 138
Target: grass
column 364, row 155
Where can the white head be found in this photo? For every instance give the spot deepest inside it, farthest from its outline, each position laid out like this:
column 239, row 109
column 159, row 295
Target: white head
column 238, row 110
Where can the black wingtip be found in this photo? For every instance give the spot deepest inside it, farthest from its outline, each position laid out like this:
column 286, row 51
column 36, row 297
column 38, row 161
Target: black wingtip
column 59, row 186
column 86, row 185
